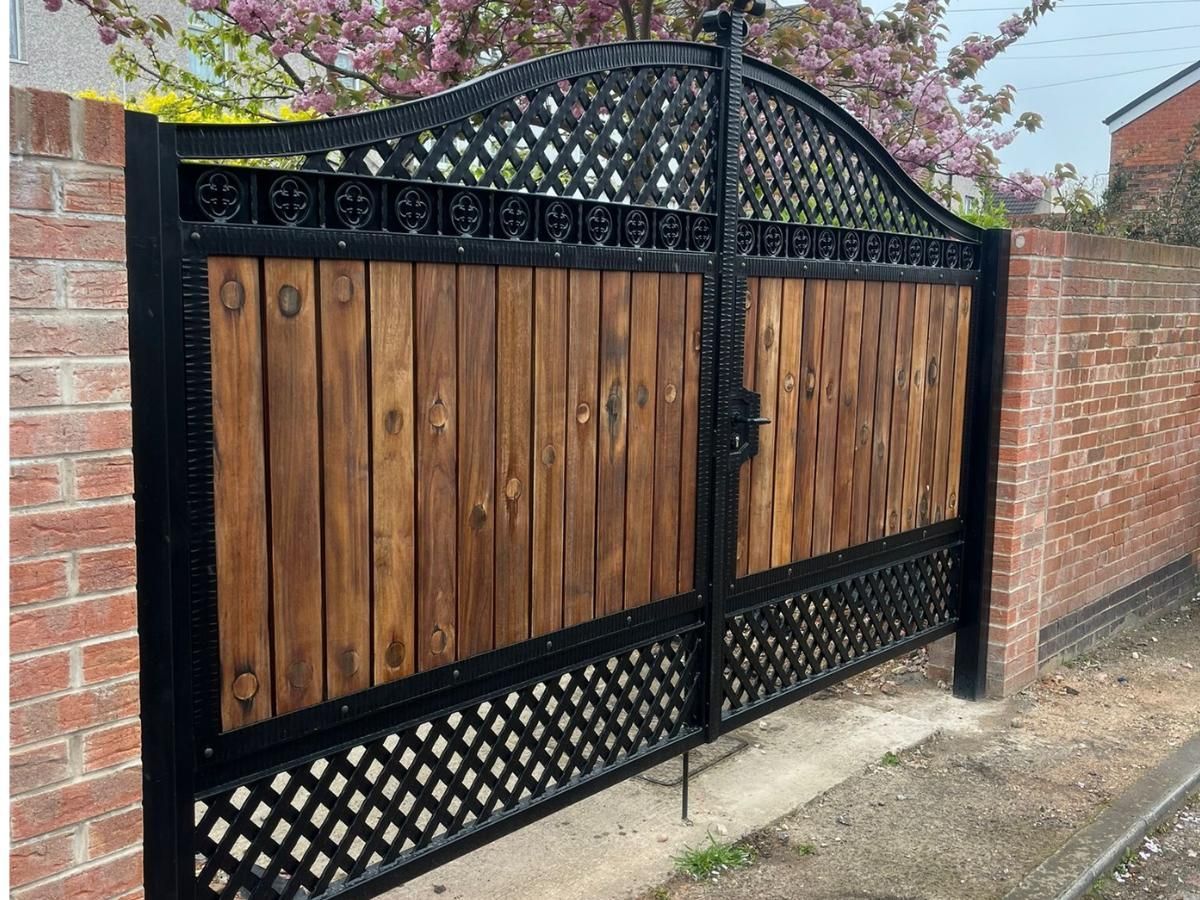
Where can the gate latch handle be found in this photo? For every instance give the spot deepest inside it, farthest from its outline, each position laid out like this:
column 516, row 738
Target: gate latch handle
column 745, row 409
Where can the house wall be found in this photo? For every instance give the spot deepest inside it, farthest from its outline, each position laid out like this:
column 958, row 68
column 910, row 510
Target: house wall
column 1149, row 150
column 75, row 754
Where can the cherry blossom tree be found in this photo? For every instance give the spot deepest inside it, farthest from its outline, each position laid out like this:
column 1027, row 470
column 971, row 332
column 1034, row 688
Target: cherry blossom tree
column 895, row 69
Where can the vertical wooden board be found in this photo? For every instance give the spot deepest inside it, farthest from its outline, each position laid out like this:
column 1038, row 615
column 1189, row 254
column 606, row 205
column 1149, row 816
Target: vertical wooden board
column 549, row 446
column 240, row 491
column 345, row 440
column 864, row 431
column 668, row 424
column 944, row 403
column 829, row 407
column 787, row 411
column 900, row 398
column 762, row 473
column 294, row 439
column 690, row 434
column 885, row 379
column 583, row 406
column 750, row 349
column 847, row 435
column 916, row 407
column 435, row 306
column 514, row 430
column 614, row 427
column 929, row 422
column 476, row 458
column 811, row 346
column 639, row 492
column 393, row 475
column 958, row 404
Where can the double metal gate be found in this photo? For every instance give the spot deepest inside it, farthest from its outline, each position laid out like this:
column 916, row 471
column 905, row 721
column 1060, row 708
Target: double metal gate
column 496, row 446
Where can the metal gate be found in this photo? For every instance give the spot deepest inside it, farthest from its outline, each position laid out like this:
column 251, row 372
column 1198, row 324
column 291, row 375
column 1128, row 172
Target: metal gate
column 496, row 446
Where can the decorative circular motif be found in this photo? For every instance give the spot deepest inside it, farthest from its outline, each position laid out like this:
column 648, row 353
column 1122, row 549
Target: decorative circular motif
column 354, row 204
column 745, row 239
column 874, row 248
column 701, row 234
column 952, row 255
column 466, row 213
column 637, row 228
column 670, row 229
column 514, row 217
column 802, row 243
column 413, row 209
column 599, row 225
column 826, row 244
column 968, row 257
column 851, row 245
column 219, row 195
column 291, row 199
column 915, row 251
column 895, row 250
column 773, row 240
column 558, row 221
column 933, row 255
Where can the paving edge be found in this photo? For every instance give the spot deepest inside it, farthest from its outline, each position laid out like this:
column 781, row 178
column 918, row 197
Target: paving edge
column 1093, row 851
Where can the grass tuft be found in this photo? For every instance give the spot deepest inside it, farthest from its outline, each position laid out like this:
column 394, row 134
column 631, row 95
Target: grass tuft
column 890, row 759
column 805, row 850
column 709, row 861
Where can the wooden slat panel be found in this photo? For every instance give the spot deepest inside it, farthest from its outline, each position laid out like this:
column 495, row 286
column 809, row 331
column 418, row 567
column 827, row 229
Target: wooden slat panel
column 240, row 491
column 916, row 407
column 583, row 406
column 614, row 423
column 668, row 424
column 393, row 482
column 639, row 497
column 750, row 345
column 843, row 474
column 900, row 398
column 345, row 459
column 435, row 305
column 885, row 380
column 787, row 411
column 864, row 431
column 762, row 472
column 811, row 345
column 514, row 428
column 549, row 445
column 829, row 406
column 690, row 434
column 957, row 410
column 294, row 436
column 944, row 404
column 929, row 422
column 476, row 457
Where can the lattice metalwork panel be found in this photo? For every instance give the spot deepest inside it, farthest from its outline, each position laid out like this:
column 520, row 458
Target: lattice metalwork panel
column 798, row 168
column 645, row 136
column 774, row 647
column 352, row 814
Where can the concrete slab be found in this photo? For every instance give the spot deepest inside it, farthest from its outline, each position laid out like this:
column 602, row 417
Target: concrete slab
column 622, row 841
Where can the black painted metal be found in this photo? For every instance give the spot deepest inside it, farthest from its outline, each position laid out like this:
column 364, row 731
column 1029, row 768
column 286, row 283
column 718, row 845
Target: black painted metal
column 643, row 156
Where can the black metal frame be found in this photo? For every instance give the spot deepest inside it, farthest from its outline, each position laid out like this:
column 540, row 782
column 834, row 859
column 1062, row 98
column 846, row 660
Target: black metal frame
column 367, row 189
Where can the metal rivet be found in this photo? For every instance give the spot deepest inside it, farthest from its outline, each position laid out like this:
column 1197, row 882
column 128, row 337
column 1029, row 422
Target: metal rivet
column 208, row 752
column 840, row 555
column 885, row 543
column 699, row 596
column 195, row 235
column 461, row 249
column 924, row 532
column 341, row 245
column 345, row 710
column 456, row 673
column 629, row 620
column 789, row 570
column 639, row 259
column 549, row 645
column 557, row 255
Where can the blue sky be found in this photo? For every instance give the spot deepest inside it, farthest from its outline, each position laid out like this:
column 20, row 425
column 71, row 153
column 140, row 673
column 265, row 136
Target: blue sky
column 1073, row 130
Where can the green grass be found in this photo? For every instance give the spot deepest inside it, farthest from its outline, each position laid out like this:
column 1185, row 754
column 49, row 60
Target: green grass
column 706, row 862
column 890, row 759
column 805, row 850
column 661, row 893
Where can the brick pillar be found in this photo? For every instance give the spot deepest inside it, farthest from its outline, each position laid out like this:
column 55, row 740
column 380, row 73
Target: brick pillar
column 75, row 755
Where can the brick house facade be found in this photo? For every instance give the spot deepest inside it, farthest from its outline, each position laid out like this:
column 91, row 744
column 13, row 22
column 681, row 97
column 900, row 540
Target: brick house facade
column 1151, row 135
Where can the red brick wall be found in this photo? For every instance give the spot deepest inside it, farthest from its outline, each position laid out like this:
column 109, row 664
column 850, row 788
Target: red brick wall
column 1150, row 148
column 76, row 776
column 1099, row 482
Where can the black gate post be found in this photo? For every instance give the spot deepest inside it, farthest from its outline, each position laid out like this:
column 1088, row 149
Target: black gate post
column 982, row 446
column 728, row 287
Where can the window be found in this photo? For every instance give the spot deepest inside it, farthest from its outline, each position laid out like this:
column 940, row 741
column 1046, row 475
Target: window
column 202, row 66
column 16, row 25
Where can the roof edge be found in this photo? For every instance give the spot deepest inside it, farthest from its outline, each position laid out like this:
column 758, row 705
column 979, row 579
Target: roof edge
column 1194, row 68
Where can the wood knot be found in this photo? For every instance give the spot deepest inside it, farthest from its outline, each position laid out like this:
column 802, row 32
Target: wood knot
column 583, row 412
column 642, row 396
column 438, row 415
column 299, row 673
column 829, row 387
column 864, row 435
column 394, row 654
column 951, row 503
column 696, row 340
column 932, row 377
column 512, row 490
column 289, row 300
column 548, row 455
column 789, row 382
column 343, row 289
column 768, row 337
column 917, row 376
column 810, row 382
column 439, row 640
column 245, row 686
column 901, row 377
column 348, row 660
column 393, row 421
column 671, row 393
column 233, row 295
column 612, row 406
column 478, row 517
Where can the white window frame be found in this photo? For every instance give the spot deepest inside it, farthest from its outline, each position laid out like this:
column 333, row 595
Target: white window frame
column 16, row 31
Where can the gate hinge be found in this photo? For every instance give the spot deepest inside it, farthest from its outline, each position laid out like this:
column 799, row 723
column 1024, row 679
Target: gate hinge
column 744, row 409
